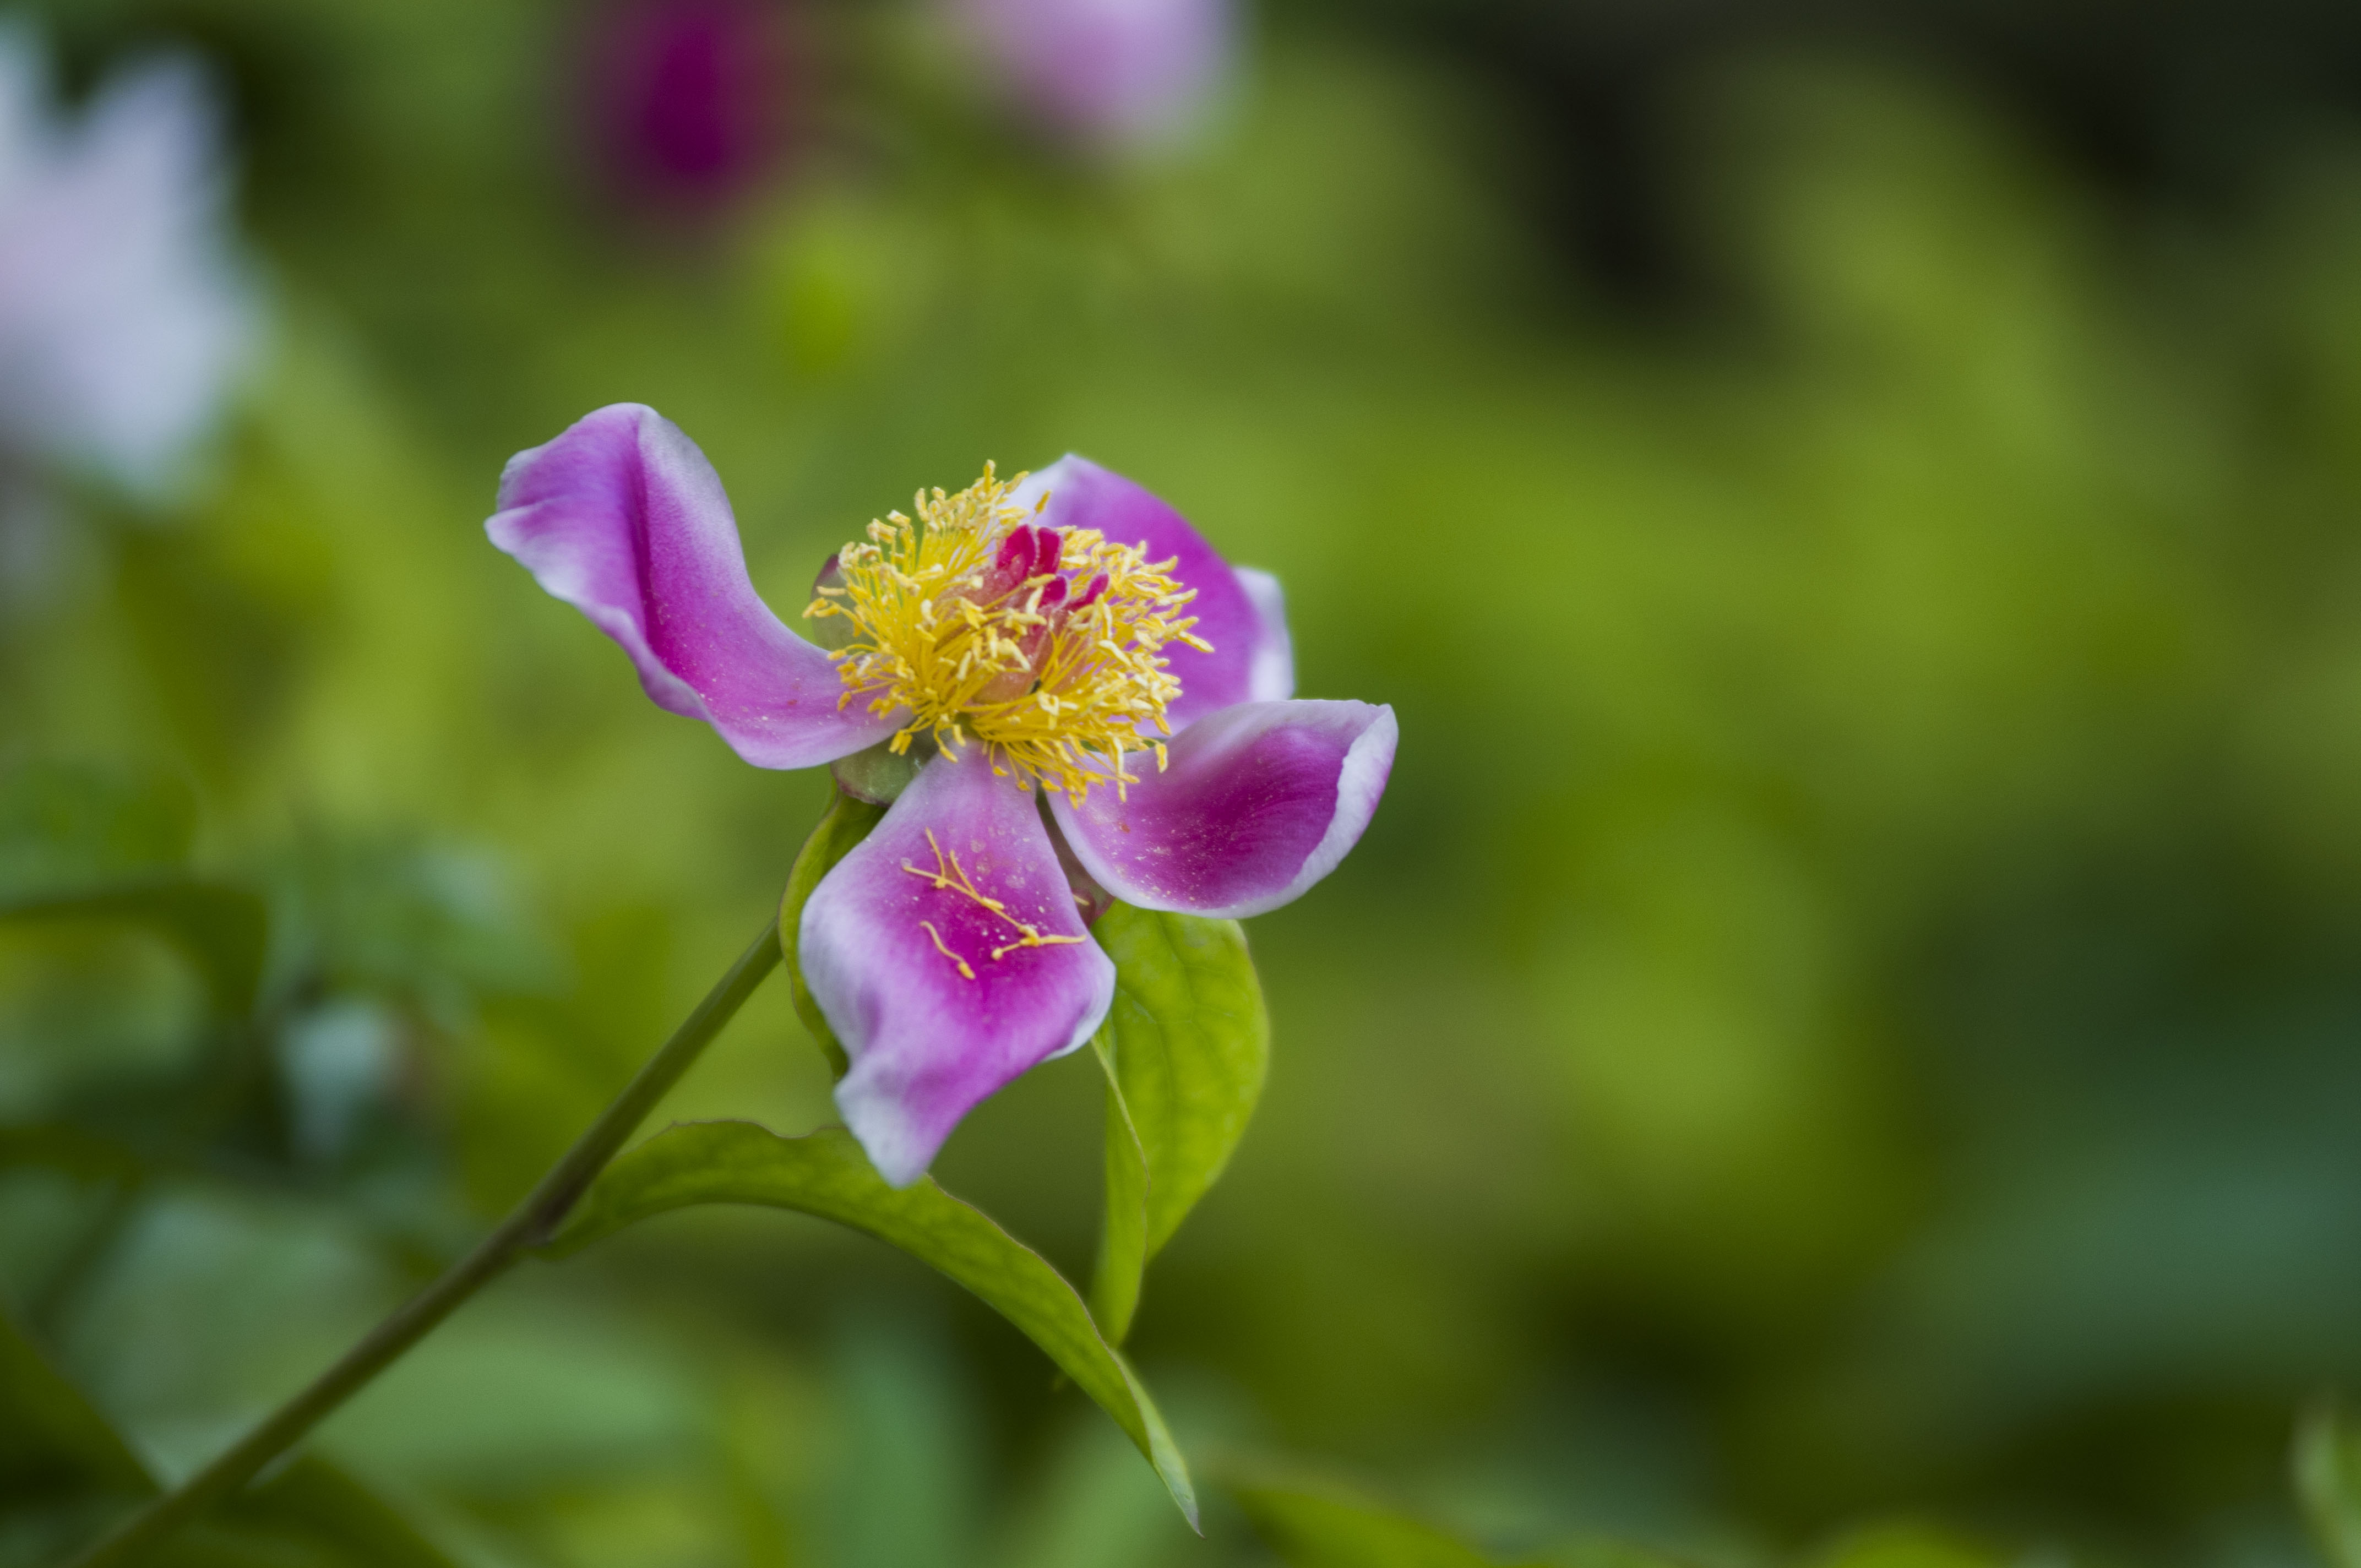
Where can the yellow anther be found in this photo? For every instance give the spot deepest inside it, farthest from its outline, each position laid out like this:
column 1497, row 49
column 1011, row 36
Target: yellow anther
column 950, row 876
column 948, row 873
column 1056, row 698
column 965, row 972
column 1032, row 938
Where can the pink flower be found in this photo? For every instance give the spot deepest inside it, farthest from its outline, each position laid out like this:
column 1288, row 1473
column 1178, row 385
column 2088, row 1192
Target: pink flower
column 1116, row 72
column 1051, row 634
column 690, row 98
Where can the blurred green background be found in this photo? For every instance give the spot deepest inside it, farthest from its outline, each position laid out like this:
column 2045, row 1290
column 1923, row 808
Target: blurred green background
column 1847, row 1014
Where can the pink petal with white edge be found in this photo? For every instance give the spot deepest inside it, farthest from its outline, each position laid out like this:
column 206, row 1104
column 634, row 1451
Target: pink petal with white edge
column 623, row 517
column 1271, row 676
column 939, row 1000
column 1084, row 495
column 1260, row 802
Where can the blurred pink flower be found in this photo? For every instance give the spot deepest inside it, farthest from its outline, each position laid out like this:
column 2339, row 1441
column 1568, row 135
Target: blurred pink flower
column 1112, row 73
column 124, row 316
column 690, row 98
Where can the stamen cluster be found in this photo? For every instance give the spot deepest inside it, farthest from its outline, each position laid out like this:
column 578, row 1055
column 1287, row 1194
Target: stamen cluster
column 1043, row 646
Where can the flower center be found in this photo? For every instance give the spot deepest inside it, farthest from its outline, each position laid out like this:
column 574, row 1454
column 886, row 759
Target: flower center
column 1043, row 646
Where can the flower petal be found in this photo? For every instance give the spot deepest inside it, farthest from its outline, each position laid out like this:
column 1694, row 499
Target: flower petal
column 937, row 999
column 1122, row 77
column 623, row 517
column 1260, row 802
column 1271, row 676
column 1084, row 495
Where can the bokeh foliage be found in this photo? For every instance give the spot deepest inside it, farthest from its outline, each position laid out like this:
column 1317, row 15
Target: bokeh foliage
column 1845, row 1018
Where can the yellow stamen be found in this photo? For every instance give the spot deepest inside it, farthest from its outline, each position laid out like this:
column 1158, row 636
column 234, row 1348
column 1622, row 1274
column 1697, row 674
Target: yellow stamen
column 1032, row 938
column 951, row 876
column 928, row 928
column 1093, row 685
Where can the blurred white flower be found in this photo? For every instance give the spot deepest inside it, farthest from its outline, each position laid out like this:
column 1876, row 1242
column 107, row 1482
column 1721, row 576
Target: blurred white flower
column 1124, row 74
column 124, row 315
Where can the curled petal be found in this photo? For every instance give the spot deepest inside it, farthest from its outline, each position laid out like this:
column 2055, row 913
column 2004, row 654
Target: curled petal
column 1084, row 495
column 1260, row 802
column 1271, row 676
column 947, row 957
column 623, row 517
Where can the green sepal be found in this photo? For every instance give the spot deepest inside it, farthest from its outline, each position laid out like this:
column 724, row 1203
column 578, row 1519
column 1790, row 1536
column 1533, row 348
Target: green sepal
column 847, row 821
column 879, row 774
column 825, row 1174
column 1186, row 1045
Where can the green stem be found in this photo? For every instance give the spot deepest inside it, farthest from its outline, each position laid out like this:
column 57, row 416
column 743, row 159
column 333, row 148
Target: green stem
column 534, row 1222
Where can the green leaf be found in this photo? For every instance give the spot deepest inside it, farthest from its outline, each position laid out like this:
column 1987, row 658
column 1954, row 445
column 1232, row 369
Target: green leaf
column 316, row 1502
column 51, row 1440
column 846, row 822
column 1312, row 1520
column 64, row 828
column 1907, row 1543
column 2327, row 1466
column 70, row 1151
column 1190, row 1041
column 223, row 929
column 1314, row 1523
column 1599, row 1551
column 826, row 1175
column 1122, row 1244
column 59, row 1454
column 88, row 844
